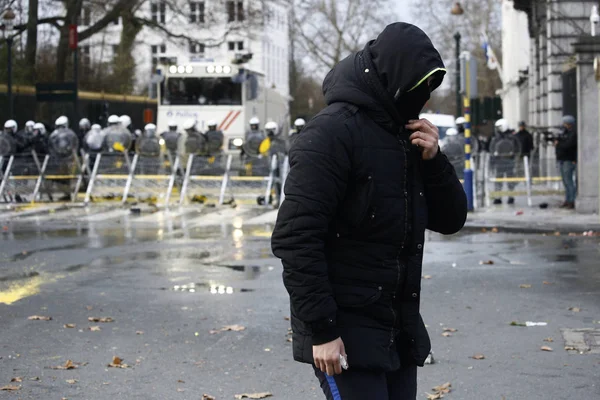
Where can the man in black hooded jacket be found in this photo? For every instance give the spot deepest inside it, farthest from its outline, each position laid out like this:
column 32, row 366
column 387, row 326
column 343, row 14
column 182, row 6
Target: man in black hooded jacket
column 366, row 179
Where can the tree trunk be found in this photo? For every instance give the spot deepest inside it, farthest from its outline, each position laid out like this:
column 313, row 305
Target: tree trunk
column 124, row 63
column 62, row 53
column 31, row 46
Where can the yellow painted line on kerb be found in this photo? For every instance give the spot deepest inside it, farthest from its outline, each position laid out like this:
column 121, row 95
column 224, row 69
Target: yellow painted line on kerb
column 18, row 291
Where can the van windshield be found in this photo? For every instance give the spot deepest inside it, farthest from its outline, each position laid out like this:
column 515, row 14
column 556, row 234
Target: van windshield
column 201, row 91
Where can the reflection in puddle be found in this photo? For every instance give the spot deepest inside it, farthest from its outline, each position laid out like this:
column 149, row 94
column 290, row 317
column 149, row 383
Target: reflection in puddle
column 213, row 288
column 566, row 258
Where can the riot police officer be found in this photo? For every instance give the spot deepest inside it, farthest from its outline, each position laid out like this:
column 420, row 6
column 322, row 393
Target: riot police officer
column 195, row 142
column 254, row 138
column 63, row 142
column 116, row 137
column 504, row 151
column 8, row 144
column 453, row 146
column 214, row 139
column 298, row 126
column 171, row 138
column 148, row 144
column 39, row 142
column 94, row 140
column 84, row 127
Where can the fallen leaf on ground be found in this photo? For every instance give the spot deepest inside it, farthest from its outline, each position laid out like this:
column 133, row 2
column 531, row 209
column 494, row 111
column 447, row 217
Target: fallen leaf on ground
column 546, row 348
column 180, row 390
column 520, row 212
column 575, row 309
column 495, row 230
column 95, row 328
column 267, row 349
column 289, row 339
column 568, row 348
column 253, row 395
column 557, row 233
column 69, row 325
column 549, row 339
column 286, row 318
column 547, row 283
column 180, row 381
column 234, row 328
column 478, row 357
column 17, row 379
column 443, row 389
column 39, row 318
column 515, row 323
column 68, row 365
column 89, row 308
column 72, row 381
column 426, row 276
column 450, row 330
column 10, row 388
column 434, row 396
column 446, row 334
column 117, row 363
column 35, row 378
column 525, row 286
column 207, row 397
column 101, row 319
column 139, row 332
column 486, row 262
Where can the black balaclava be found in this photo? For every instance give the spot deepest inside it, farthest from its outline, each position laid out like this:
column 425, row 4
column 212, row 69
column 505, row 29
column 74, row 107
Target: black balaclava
column 410, row 104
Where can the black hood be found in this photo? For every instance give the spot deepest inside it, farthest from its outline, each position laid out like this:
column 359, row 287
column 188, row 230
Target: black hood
column 399, row 59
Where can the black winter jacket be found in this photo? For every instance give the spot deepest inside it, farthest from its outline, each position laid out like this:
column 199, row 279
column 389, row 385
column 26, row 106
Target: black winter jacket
column 358, row 199
column 566, row 148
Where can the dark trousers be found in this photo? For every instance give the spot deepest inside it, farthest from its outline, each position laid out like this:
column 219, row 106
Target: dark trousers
column 357, row 384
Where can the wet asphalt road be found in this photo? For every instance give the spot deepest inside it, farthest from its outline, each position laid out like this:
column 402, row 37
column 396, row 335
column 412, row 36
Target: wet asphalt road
column 132, row 268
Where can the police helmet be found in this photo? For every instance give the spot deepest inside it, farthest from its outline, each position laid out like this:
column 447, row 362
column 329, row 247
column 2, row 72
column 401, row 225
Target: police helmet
column 271, row 128
column 254, row 123
column 212, row 124
column 114, row 120
column 84, row 123
column 29, row 126
column 189, row 124
column 38, row 126
column 501, row 125
column 451, row 132
column 150, row 130
column 11, row 125
column 460, row 121
column 172, row 124
column 96, row 127
column 125, row 120
column 61, row 122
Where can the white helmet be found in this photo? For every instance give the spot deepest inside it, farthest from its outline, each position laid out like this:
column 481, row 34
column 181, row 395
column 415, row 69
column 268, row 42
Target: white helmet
column 11, row 124
column 38, row 126
column 501, row 125
column 114, row 119
column 125, row 120
column 451, row 132
column 96, row 127
column 84, row 123
column 61, row 121
column 172, row 124
column 271, row 127
column 300, row 122
column 150, row 127
column 460, row 121
column 254, row 121
column 189, row 124
column 211, row 122
column 29, row 125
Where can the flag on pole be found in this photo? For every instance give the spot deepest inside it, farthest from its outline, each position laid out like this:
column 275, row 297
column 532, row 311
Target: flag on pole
column 490, row 56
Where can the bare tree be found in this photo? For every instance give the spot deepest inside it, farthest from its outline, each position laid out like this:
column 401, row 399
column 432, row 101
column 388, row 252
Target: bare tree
column 479, row 16
column 329, row 30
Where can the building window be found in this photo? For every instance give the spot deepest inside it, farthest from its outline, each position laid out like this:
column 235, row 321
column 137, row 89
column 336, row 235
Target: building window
column 158, row 11
column 115, row 49
column 196, row 12
column 231, row 46
column 85, row 19
column 117, row 21
column 159, row 55
column 240, row 45
column 197, row 48
column 235, row 11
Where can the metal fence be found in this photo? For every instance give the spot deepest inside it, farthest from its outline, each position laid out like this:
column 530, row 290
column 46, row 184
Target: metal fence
column 131, row 177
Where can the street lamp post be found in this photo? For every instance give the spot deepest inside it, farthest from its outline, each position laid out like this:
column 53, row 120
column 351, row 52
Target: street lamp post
column 457, row 76
column 8, row 20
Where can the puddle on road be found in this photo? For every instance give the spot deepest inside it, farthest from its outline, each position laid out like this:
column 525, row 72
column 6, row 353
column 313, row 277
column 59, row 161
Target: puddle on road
column 566, row 258
column 211, row 287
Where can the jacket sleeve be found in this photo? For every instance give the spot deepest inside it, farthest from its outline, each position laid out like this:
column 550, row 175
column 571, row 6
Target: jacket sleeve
column 316, row 183
column 446, row 198
column 567, row 142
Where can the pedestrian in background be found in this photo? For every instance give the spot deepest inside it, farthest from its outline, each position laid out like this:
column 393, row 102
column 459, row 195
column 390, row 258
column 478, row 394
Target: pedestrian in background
column 525, row 139
column 366, row 179
column 566, row 155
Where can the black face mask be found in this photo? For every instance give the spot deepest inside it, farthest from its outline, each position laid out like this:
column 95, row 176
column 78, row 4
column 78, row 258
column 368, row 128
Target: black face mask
column 410, row 104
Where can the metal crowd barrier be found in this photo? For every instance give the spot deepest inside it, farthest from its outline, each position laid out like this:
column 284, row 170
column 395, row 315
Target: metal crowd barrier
column 121, row 177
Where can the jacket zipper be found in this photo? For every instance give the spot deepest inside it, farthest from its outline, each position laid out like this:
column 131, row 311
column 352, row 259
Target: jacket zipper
column 403, row 243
